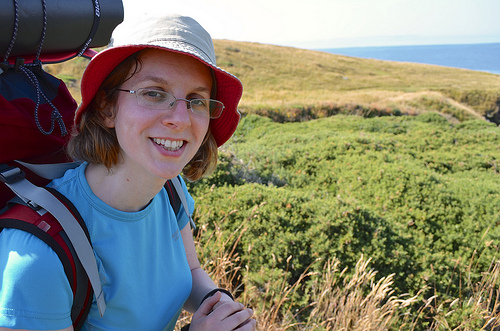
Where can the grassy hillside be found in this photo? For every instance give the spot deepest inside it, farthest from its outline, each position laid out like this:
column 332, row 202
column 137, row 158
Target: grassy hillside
column 290, row 84
column 288, row 78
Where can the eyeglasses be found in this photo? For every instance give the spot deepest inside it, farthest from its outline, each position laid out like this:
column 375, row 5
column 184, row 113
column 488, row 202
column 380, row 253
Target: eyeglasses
column 161, row 100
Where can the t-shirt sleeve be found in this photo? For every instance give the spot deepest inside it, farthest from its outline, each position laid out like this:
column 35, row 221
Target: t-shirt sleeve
column 34, row 291
column 182, row 218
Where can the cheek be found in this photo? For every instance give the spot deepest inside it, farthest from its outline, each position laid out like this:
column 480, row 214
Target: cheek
column 128, row 125
column 127, row 117
column 202, row 128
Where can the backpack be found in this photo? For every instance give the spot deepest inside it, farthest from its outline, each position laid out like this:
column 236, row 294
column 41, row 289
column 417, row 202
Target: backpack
column 36, row 114
column 50, row 216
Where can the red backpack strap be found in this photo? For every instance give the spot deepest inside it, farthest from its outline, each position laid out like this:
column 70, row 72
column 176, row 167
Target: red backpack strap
column 49, row 230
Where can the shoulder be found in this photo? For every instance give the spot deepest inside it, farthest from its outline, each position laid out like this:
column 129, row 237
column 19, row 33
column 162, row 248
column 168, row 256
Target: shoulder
column 71, row 176
column 25, row 257
column 34, row 285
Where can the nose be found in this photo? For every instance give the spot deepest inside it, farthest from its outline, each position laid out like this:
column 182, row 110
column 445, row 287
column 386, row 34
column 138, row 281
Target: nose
column 178, row 114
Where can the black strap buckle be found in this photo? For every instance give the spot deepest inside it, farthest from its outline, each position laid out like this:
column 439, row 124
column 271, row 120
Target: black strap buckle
column 10, row 174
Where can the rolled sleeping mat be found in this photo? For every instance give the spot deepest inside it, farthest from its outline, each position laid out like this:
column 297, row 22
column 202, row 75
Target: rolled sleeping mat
column 71, row 26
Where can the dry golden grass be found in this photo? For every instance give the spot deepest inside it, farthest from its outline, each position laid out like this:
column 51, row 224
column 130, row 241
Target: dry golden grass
column 341, row 302
column 284, row 78
column 359, row 302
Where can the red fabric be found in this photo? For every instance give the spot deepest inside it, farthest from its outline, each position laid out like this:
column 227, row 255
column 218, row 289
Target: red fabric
column 48, row 58
column 20, row 138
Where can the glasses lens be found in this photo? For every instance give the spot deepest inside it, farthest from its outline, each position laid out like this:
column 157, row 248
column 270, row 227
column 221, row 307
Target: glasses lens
column 207, row 107
column 216, row 108
column 154, row 99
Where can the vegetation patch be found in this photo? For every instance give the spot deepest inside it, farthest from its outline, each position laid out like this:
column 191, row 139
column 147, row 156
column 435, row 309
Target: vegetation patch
column 417, row 195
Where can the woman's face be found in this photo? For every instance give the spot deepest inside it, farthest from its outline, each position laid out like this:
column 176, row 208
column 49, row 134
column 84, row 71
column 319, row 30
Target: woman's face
column 161, row 142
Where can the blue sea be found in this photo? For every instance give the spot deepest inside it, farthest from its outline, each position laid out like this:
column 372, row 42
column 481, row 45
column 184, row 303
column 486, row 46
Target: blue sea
column 480, row 57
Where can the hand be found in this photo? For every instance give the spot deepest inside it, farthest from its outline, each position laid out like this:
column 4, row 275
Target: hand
column 221, row 315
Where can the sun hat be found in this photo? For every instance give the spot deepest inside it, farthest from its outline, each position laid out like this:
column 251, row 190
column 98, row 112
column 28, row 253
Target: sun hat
column 180, row 34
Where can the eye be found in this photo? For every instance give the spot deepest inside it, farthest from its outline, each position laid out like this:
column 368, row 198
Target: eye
column 154, row 95
column 199, row 103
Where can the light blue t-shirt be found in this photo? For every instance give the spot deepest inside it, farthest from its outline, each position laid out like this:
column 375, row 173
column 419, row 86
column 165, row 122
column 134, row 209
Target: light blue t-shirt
column 141, row 260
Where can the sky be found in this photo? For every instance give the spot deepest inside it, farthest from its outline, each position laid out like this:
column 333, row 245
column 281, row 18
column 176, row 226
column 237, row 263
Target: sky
column 318, row 24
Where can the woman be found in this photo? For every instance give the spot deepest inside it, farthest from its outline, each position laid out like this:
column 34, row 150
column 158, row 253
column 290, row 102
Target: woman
column 153, row 105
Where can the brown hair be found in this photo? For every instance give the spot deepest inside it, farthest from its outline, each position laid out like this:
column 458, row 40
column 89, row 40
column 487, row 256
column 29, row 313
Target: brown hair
column 94, row 142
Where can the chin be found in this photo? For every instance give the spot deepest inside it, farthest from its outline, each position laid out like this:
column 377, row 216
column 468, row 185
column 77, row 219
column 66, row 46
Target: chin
column 168, row 173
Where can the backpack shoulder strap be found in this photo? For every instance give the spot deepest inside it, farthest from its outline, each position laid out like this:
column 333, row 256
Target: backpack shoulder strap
column 50, row 170
column 173, row 197
column 177, row 197
column 82, row 291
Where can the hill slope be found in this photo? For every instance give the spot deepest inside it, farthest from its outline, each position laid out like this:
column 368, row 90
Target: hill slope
column 296, row 84
column 287, row 78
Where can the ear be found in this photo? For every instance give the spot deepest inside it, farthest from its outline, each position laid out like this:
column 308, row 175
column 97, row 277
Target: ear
column 106, row 110
column 109, row 120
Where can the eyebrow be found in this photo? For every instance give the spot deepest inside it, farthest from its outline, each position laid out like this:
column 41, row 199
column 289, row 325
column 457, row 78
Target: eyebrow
column 162, row 81
column 156, row 79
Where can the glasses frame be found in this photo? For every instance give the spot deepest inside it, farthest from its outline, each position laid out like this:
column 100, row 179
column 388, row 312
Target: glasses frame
column 189, row 102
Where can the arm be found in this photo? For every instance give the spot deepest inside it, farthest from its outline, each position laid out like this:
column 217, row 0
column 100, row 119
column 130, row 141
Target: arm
column 202, row 283
column 34, row 288
column 219, row 311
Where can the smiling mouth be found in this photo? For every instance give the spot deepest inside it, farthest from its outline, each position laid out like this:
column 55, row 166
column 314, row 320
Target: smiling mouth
column 169, row 145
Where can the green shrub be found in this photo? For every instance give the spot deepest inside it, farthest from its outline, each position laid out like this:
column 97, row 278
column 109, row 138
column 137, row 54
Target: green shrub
column 432, row 117
column 416, row 194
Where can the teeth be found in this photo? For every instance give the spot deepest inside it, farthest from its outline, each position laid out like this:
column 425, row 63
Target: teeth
column 171, row 145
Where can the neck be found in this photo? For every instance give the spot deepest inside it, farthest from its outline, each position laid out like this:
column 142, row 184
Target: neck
column 119, row 190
